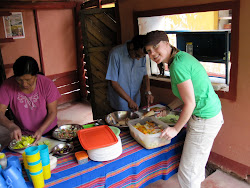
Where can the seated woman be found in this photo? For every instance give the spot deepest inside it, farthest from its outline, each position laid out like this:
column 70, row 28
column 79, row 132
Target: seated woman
column 32, row 98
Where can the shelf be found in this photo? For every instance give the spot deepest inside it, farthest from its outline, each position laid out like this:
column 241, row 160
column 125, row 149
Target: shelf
column 5, row 40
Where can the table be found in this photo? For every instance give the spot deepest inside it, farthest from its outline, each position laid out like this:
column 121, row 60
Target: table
column 135, row 167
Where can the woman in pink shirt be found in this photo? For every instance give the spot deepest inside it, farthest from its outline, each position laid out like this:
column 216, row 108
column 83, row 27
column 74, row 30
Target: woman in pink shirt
column 32, row 98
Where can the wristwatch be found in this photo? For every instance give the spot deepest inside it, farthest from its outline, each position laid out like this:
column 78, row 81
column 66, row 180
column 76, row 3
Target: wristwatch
column 148, row 93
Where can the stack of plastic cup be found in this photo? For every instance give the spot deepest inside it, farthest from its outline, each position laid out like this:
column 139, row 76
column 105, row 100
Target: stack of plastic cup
column 26, row 167
column 35, row 166
column 44, row 154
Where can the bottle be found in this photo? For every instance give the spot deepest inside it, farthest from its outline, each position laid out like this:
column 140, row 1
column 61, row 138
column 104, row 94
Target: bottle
column 3, row 160
column 189, row 48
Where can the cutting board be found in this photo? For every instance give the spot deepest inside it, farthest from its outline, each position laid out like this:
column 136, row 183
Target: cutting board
column 53, row 143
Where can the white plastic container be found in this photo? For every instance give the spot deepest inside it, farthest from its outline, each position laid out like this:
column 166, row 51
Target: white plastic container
column 106, row 153
column 3, row 160
column 148, row 141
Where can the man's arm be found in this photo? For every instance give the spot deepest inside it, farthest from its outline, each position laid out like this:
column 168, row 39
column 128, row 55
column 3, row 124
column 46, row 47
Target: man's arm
column 124, row 95
column 150, row 97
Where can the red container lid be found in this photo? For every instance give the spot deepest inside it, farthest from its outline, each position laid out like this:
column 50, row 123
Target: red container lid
column 96, row 137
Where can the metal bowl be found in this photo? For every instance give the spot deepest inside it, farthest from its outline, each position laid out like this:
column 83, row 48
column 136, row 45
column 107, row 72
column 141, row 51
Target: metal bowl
column 13, row 143
column 120, row 118
column 62, row 149
column 66, row 132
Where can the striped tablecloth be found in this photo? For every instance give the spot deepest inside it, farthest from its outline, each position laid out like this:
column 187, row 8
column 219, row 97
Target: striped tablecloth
column 135, row 167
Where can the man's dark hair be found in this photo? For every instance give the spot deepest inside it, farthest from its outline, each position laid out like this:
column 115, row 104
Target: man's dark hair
column 25, row 65
column 138, row 41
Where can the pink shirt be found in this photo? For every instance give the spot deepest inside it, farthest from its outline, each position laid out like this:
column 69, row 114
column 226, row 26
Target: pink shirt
column 29, row 109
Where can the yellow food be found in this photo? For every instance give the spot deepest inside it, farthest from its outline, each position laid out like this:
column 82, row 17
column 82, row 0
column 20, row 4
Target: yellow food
column 25, row 141
column 149, row 128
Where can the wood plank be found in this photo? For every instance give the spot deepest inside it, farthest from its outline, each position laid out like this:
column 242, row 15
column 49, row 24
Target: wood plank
column 64, row 78
column 98, row 42
column 92, row 41
column 69, row 88
column 103, row 58
column 108, row 21
column 98, row 64
column 98, row 77
column 100, row 49
column 85, row 12
column 97, row 33
column 104, row 29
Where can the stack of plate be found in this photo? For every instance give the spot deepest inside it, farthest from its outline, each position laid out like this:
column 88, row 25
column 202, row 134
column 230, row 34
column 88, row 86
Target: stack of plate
column 101, row 142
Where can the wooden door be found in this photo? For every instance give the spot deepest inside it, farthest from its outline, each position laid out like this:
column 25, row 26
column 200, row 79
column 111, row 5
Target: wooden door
column 100, row 34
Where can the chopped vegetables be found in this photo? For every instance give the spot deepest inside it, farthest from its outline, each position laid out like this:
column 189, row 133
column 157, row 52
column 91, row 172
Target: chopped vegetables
column 24, row 142
column 149, row 127
column 46, row 142
column 68, row 133
column 170, row 118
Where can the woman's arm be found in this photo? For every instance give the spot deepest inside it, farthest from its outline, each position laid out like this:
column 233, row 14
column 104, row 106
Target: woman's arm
column 15, row 131
column 51, row 115
column 186, row 91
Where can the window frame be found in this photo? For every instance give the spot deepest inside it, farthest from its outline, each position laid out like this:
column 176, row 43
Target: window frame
column 235, row 6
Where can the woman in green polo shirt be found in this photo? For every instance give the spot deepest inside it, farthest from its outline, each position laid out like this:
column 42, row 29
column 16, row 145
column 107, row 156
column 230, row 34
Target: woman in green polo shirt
column 201, row 107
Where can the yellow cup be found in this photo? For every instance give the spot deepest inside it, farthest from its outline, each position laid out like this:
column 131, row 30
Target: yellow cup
column 46, row 172
column 33, row 158
column 35, row 168
column 38, row 180
column 25, row 163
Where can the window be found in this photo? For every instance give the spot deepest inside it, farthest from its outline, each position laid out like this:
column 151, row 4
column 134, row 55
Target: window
column 194, row 28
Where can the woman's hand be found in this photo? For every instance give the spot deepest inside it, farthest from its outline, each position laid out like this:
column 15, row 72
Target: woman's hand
column 38, row 134
column 169, row 133
column 15, row 133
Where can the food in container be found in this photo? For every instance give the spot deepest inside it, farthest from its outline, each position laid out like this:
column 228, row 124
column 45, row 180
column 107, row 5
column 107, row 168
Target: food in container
column 81, row 157
column 66, row 132
column 120, row 118
column 147, row 132
column 63, row 149
column 171, row 118
column 24, row 143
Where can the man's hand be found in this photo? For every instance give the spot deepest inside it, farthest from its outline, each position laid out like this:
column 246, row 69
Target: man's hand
column 132, row 105
column 150, row 99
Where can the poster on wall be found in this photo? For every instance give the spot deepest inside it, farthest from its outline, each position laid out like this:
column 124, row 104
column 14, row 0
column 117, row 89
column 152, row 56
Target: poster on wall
column 13, row 25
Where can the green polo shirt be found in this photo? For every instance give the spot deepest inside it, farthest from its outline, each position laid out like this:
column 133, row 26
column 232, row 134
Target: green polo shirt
column 185, row 67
